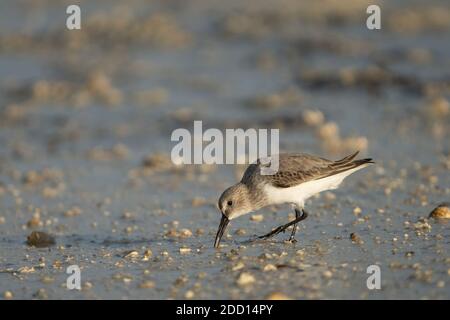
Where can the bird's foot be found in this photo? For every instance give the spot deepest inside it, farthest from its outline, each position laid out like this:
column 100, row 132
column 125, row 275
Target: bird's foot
column 292, row 240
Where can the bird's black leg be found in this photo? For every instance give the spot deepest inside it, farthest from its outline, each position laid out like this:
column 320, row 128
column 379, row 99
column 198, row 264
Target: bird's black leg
column 282, row 228
column 294, row 227
column 298, row 218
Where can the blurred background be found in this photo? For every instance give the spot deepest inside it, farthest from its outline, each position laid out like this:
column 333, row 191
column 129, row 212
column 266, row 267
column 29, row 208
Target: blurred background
column 85, row 123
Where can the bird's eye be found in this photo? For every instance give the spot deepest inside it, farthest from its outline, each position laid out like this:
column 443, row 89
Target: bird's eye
column 230, row 203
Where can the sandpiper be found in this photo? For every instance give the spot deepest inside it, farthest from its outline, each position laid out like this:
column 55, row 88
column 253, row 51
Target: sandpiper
column 299, row 177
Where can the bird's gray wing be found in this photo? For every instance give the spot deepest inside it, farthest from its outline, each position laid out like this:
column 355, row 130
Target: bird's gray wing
column 299, row 168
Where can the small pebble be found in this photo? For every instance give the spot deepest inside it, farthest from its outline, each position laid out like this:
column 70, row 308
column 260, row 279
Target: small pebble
column 26, row 270
column 313, row 117
column 128, row 215
column 278, row 296
column 257, row 217
column 47, row 279
column 329, row 196
column 35, row 221
column 73, row 212
column 131, row 254
column 87, row 285
column 442, row 211
column 270, row 267
column 147, row 284
column 185, row 233
column 198, row 201
column 185, row 250
column 245, row 278
column 328, row 130
column 41, row 294
column 147, row 254
column 238, row 266
column 422, row 225
column 189, row 294
column 8, row 295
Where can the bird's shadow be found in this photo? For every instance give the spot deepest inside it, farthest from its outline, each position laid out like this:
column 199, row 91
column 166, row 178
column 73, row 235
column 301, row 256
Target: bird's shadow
column 257, row 240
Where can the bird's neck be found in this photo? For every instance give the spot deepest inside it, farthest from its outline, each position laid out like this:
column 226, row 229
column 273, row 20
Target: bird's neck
column 256, row 197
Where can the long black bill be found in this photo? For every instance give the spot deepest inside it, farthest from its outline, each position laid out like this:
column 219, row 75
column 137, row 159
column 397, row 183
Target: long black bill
column 223, row 225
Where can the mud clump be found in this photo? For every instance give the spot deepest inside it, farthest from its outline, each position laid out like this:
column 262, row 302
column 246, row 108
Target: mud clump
column 287, row 97
column 40, row 239
column 157, row 162
column 373, row 79
column 116, row 152
column 422, row 225
column 356, row 238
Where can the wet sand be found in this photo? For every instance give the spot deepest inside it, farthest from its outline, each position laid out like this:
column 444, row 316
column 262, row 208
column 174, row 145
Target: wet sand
column 85, row 124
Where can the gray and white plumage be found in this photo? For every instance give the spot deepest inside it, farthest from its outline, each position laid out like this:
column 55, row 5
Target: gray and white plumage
column 299, row 177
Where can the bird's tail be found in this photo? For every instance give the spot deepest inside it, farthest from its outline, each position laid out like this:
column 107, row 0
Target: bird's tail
column 347, row 163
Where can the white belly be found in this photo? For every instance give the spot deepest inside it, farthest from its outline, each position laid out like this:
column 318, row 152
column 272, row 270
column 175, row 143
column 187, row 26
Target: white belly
column 298, row 194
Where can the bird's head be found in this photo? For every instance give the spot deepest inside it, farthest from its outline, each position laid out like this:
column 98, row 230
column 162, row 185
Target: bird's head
column 233, row 202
